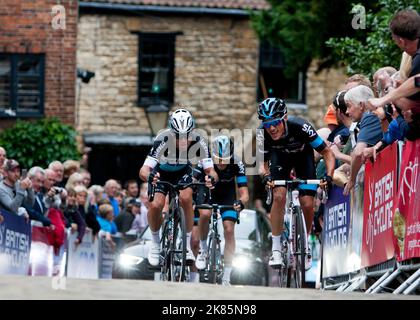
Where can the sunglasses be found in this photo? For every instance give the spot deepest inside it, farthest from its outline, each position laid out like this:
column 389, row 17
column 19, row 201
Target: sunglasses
column 273, row 123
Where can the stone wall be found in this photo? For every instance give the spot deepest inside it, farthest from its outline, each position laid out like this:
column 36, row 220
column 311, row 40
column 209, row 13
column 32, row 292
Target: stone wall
column 216, row 67
column 215, row 70
column 320, row 90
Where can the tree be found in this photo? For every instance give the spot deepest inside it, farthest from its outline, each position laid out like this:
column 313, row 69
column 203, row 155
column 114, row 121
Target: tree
column 301, row 27
column 373, row 47
column 40, row 143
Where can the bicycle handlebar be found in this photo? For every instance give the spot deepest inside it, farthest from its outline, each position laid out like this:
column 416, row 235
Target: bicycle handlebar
column 296, row 181
column 214, row 206
column 151, row 187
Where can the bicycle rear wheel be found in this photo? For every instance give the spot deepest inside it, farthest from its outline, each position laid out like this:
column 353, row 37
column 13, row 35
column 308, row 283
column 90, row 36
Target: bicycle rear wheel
column 178, row 252
column 300, row 248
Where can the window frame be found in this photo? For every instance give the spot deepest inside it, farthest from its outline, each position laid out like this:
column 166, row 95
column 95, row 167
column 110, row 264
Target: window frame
column 300, row 102
column 13, row 94
column 169, row 37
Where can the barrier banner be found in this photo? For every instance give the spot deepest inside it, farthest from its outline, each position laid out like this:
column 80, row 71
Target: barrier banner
column 380, row 189
column 356, row 222
column 406, row 221
column 108, row 254
column 15, row 244
column 42, row 253
column 336, row 233
column 83, row 259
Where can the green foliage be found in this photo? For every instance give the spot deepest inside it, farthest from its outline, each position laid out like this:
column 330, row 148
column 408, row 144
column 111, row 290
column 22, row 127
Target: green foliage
column 373, row 47
column 301, row 27
column 39, row 143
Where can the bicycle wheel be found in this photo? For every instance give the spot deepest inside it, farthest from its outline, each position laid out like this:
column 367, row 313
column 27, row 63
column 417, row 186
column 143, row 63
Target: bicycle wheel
column 178, row 253
column 215, row 268
column 300, row 249
column 285, row 272
column 165, row 250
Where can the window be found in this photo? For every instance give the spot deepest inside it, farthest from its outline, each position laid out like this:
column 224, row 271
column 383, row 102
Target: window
column 156, row 68
column 21, row 85
column 272, row 82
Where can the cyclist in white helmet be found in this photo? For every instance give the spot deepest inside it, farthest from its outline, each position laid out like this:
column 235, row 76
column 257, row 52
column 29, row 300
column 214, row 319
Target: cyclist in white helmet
column 170, row 160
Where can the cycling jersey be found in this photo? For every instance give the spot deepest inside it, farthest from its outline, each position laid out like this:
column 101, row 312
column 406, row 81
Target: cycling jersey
column 224, row 192
column 293, row 150
column 166, row 156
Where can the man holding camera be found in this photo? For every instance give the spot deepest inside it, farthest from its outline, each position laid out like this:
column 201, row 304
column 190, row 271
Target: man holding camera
column 14, row 192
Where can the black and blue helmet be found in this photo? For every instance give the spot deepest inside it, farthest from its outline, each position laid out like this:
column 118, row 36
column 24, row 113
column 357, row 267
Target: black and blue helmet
column 272, row 108
column 222, row 147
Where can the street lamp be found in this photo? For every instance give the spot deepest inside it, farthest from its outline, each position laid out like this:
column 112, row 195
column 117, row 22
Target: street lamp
column 157, row 115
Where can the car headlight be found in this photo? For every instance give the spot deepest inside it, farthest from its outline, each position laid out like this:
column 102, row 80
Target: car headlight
column 127, row 260
column 241, row 263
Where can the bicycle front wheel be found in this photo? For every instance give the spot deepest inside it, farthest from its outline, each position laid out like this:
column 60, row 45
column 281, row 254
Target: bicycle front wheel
column 214, row 260
column 178, row 248
column 300, row 248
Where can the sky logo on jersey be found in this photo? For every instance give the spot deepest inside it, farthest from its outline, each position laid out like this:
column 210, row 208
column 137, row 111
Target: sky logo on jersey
column 308, row 129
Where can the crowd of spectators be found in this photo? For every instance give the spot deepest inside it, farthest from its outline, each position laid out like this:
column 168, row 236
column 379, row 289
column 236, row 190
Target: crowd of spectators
column 366, row 117
column 61, row 197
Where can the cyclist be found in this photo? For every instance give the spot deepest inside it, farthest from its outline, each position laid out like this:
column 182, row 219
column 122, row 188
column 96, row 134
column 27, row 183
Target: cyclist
column 170, row 160
column 288, row 143
column 228, row 167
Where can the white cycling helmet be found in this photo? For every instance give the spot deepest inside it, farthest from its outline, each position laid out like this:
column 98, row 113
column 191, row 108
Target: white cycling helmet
column 181, row 121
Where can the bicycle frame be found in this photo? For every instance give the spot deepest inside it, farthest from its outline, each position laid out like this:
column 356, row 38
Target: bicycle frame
column 173, row 258
column 214, row 269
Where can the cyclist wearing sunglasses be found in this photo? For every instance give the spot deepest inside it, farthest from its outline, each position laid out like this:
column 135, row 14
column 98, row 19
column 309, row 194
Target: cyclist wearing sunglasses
column 288, row 143
column 228, row 168
column 170, row 160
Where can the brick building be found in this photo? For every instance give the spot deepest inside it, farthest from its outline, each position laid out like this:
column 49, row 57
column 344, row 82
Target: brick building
column 37, row 60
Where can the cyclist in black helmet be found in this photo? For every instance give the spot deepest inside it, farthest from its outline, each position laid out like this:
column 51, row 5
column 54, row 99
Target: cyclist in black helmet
column 288, row 143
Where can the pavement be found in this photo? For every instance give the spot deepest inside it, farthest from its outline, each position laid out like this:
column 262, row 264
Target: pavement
column 35, row 288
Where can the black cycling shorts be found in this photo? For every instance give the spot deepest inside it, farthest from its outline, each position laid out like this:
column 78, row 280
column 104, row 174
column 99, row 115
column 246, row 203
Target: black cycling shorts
column 281, row 164
column 218, row 196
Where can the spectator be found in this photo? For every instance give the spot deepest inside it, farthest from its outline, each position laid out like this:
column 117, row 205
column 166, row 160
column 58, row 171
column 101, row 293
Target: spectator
column 38, row 210
column 3, row 156
column 74, row 219
column 405, row 29
column 132, row 188
column 88, row 215
column 86, row 177
column 85, row 158
column 58, row 168
column 124, row 221
column 140, row 221
column 76, row 179
column 70, row 167
column 370, row 131
column 106, row 219
column 111, row 188
column 13, row 193
column 356, row 80
column 95, row 194
column 53, row 195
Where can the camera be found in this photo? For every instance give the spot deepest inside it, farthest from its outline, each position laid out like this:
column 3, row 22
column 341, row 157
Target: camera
column 58, row 189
